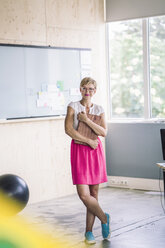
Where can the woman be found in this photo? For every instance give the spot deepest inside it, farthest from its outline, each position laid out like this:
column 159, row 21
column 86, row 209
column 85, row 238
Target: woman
column 88, row 161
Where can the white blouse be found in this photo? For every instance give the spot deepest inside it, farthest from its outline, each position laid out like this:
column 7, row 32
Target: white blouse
column 78, row 107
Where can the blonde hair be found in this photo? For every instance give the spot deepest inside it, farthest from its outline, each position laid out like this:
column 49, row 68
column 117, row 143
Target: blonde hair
column 88, row 80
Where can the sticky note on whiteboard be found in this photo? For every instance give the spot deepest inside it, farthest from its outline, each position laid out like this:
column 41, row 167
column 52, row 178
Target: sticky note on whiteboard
column 75, row 91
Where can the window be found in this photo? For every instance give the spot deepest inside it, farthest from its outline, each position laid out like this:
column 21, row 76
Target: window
column 157, row 66
column 131, row 89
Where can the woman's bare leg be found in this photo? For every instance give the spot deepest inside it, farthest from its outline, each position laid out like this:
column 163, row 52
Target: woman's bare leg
column 90, row 217
column 90, row 202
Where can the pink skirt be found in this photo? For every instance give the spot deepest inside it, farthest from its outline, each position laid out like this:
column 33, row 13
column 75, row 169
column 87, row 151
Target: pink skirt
column 88, row 165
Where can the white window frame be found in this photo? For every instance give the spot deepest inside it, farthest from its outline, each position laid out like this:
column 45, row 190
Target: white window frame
column 146, row 76
column 146, row 69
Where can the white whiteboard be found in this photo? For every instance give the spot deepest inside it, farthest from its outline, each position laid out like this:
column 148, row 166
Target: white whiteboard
column 40, row 81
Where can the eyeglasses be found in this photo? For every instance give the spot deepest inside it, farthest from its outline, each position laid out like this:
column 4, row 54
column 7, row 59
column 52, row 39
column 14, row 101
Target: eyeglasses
column 87, row 89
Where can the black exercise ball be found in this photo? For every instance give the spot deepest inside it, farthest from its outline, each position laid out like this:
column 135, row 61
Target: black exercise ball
column 15, row 188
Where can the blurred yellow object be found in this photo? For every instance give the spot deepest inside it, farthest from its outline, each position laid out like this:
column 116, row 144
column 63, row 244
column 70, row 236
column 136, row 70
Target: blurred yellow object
column 16, row 232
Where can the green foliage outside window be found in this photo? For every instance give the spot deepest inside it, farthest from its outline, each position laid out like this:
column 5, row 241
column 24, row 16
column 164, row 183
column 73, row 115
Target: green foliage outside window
column 126, row 68
column 157, row 66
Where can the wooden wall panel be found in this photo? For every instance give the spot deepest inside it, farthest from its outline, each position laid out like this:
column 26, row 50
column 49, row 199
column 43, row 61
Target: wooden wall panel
column 39, row 151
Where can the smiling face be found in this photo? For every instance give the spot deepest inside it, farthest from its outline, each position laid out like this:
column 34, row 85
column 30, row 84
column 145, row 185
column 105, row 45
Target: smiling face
column 87, row 87
column 87, row 90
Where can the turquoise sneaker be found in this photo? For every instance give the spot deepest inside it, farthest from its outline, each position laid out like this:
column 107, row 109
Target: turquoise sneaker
column 89, row 238
column 106, row 233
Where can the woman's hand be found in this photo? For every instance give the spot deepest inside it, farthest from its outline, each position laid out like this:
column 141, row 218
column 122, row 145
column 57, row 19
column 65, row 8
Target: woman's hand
column 93, row 143
column 82, row 117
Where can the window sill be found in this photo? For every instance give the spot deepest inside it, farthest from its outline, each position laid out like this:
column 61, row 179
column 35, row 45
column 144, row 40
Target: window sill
column 156, row 121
